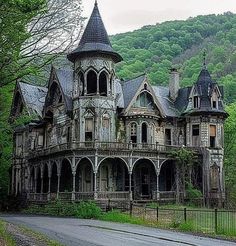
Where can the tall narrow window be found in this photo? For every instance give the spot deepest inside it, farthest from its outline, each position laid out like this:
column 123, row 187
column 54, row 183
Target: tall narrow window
column 195, row 135
column 89, row 128
column 168, row 136
column 105, row 128
column 214, row 101
column 91, row 83
column 144, row 133
column 103, row 84
column 195, row 102
column 212, row 136
column 133, row 133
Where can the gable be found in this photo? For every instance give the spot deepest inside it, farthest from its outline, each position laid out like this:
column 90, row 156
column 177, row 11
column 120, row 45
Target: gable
column 28, row 97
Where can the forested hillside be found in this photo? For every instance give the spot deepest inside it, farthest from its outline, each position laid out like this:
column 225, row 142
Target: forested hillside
column 154, row 49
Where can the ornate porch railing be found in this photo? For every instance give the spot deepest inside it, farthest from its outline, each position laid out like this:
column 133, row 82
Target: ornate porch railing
column 118, row 195
column 84, row 196
column 65, row 196
column 107, row 146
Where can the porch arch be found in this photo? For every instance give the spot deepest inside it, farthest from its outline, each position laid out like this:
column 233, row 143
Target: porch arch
column 167, row 176
column 144, row 179
column 84, row 176
column 66, row 177
column 113, row 175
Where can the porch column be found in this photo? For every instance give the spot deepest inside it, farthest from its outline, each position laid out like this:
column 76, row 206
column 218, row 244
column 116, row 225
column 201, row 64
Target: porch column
column 95, row 186
column 158, row 188
column 130, row 186
column 58, row 184
column 49, row 188
column 41, row 188
column 20, row 180
column 16, row 190
column 12, row 180
column 73, row 192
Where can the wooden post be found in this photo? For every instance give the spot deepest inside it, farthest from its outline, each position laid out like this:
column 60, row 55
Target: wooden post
column 185, row 214
column 131, row 208
column 130, row 186
column 58, row 185
column 73, row 192
column 95, row 186
column 216, row 220
column 157, row 212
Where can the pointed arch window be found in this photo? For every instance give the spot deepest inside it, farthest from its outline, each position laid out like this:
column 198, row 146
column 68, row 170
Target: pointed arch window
column 91, row 83
column 196, row 102
column 103, row 84
column 144, row 132
column 145, row 100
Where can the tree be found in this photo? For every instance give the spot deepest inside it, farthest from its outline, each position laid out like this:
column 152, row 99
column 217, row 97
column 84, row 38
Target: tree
column 185, row 159
column 33, row 35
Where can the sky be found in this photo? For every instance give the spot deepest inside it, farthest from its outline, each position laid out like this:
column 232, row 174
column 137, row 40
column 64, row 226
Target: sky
column 127, row 15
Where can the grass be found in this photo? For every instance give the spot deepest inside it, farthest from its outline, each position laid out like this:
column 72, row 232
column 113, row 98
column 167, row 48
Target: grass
column 199, row 220
column 38, row 236
column 5, row 237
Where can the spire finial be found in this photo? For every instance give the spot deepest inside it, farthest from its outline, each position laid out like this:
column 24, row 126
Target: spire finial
column 204, row 59
column 96, row 3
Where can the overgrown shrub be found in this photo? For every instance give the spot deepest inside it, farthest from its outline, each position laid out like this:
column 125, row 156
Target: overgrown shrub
column 88, row 210
column 192, row 192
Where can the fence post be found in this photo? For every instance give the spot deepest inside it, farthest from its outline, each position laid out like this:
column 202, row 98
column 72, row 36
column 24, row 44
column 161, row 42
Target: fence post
column 131, row 208
column 216, row 218
column 185, row 214
column 157, row 213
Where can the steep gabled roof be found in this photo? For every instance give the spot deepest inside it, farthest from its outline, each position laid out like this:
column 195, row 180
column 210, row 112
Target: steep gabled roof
column 168, row 107
column 95, row 39
column 130, row 88
column 65, row 78
column 33, row 97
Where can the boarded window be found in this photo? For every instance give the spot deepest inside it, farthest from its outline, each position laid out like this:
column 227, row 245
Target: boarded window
column 89, row 128
column 212, row 136
column 215, row 177
column 105, row 128
column 40, row 140
column 195, row 135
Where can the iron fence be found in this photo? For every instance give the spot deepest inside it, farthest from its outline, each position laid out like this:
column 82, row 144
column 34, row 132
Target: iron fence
column 210, row 221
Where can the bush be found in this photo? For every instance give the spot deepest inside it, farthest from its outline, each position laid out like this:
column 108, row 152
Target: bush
column 88, row 210
column 193, row 193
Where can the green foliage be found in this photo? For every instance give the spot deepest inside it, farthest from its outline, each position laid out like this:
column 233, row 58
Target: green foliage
column 88, row 210
column 230, row 154
column 83, row 210
column 15, row 16
column 192, row 193
column 155, row 49
column 5, row 236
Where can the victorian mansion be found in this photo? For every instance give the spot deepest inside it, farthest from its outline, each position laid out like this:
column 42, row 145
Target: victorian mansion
column 95, row 137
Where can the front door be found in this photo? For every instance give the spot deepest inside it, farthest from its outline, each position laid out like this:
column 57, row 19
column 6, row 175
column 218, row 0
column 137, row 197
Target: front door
column 145, row 179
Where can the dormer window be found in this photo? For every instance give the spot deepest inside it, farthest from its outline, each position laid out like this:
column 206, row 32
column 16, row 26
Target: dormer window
column 214, row 101
column 196, row 102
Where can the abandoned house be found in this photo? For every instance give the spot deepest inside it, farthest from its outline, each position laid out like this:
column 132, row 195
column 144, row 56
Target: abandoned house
column 95, row 137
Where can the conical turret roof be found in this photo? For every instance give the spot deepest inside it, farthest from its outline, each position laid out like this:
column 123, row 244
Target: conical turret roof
column 95, row 39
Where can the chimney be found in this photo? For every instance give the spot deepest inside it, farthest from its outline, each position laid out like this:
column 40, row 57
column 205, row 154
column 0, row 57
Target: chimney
column 174, row 83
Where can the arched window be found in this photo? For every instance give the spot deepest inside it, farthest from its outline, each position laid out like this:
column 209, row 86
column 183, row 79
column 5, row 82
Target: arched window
column 91, row 82
column 133, row 133
column 81, row 83
column 55, row 96
column 144, row 133
column 103, row 84
column 145, row 100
